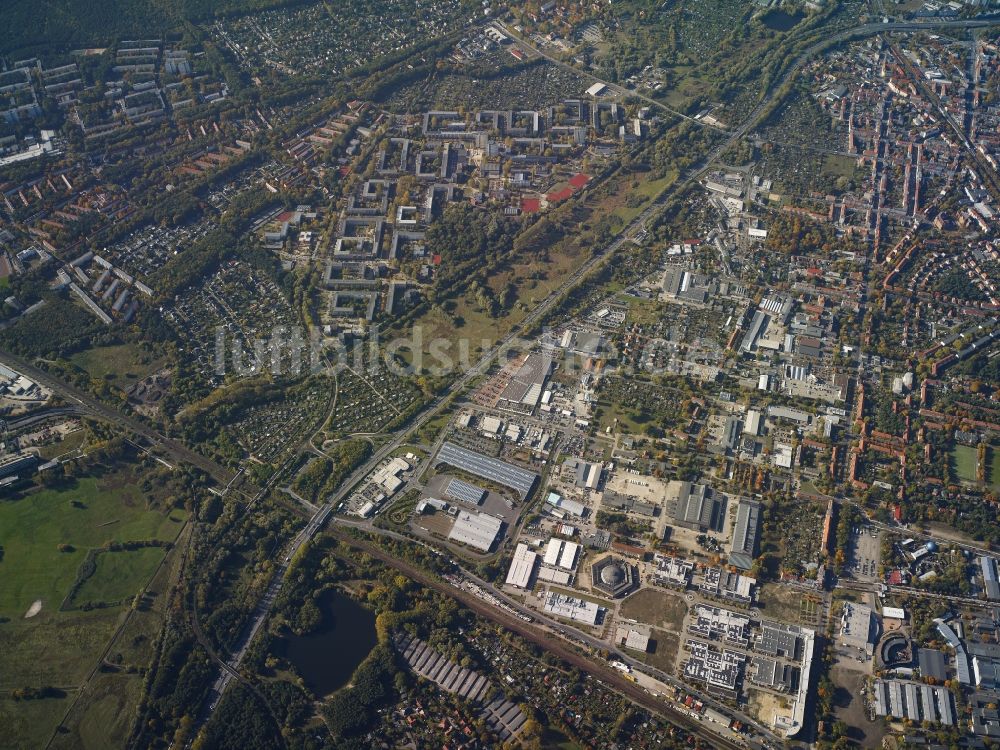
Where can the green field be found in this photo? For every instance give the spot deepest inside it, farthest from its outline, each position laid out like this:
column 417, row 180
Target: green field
column 33, row 527
column 53, row 648
column 780, row 603
column 661, row 609
column 648, row 189
column 29, row 723
column 61, row 648
column 553, row 739
column 134, row 644
column 103, row 714
column 839, row 165
column 534, row 278
column 121, row 364
column 627, row 424
column 103, row 719
column 641, row 310
column 120, row 575
column 71, row 442
column 993, row 467
column 666, row 646
column 430, row 431
column 964, row 459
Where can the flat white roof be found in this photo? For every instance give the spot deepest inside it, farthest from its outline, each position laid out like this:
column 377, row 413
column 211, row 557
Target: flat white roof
column 571, row 608
column 553, row 575
column 568, row 558
column 552, row 551
column 744, row 585
column 855, row 624
column 522, row 566
column 570, row 506
column 477, row 530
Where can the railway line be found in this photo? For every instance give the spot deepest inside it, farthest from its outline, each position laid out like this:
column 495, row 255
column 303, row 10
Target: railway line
column 229, row 667
column 82, row 401
column 530, row 632
column 640, row 222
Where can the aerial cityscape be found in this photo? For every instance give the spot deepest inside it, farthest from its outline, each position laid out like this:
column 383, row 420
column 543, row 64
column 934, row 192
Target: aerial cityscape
column 612, row 374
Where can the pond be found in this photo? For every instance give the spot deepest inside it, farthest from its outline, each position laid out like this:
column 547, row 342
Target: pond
column 779, row 20
column 327, row 657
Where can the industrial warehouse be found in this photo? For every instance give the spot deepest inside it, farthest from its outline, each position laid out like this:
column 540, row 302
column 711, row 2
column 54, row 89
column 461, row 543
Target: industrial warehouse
column 491, row 469
column 477, row 530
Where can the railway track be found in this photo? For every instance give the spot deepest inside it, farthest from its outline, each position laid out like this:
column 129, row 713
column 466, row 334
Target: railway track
column 553, row 645
column 81, row 401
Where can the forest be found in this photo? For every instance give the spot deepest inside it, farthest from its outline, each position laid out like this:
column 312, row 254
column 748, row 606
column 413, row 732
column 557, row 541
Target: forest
column 470, row 244
column 324, row 475
column 54, row 331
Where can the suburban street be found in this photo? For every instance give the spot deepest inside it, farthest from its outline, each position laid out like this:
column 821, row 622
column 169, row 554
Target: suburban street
column 640, row 221
column 542, row 630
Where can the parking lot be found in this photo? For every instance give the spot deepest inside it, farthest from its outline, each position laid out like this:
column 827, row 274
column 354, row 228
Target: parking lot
column 494, row 504
column 865, row 553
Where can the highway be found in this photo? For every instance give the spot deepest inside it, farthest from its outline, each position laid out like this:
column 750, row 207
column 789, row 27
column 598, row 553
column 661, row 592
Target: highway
column 855, row 32
column 436, row 406
column 430, row 411
column 620, row 90
column 263, row 608
column 230, row 667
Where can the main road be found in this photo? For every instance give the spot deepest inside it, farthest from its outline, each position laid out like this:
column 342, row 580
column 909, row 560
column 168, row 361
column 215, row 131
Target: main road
column 598, row 668
column 854, row 32
column 436, row 406
column 552, row 625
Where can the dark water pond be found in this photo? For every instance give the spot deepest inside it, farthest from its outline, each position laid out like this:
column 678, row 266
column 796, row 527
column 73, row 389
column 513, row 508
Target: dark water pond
column 327, row 657
column 779, row 20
